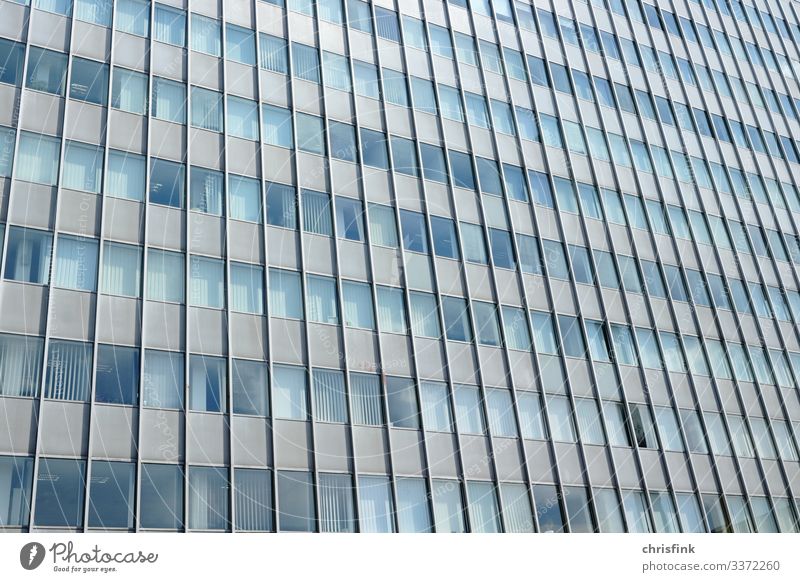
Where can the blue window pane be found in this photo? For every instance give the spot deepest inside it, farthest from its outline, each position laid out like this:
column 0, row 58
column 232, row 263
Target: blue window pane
column 117, row 378
column 59, row 492
column 161, row 505
column 111, row 495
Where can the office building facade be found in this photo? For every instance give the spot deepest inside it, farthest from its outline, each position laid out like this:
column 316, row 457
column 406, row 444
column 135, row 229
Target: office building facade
column 400, row 266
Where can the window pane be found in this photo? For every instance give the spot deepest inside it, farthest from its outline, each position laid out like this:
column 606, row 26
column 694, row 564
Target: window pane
column 253, row 499
column 161, row 503
column 111, row 495
column 375, row 508
column 330, row 404
column 69, row 369
column 117, row 377
column 76, row 263
column 447, row 507
column 208, row 384
column 163, row 382
column 402, row 400
column 336, row 508
column 59, row 492
column 250, row 388
column 289, row 392
column 296, row 501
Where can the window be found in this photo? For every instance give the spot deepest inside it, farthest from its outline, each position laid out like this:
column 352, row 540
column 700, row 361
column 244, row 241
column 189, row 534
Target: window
column 571, row 336
column 375, row 508
column 206, row 191
column 169, row 100
column 28, row 255
column 249, row 388
column 365, row 398
column 423, row 95
column 413, row 514
column 129, row 91
column 253, row 499
column 47, row 71
column 206, row 35
column 486, row 325
column 330, row 404
column 445, row 243
column 37, row 159
column 207, row 282
column 469, row 412
column 483, row 508
column 424, row 315
column 642, row 426
column 373, row 149
column 111, row 495
column 337, row 71
column 337, row 513
column 133, row 17
column 321, row 300
column 296, row 501
column 20, row 365
column 609, row 514
column 289, row 392
column 83, row 167
column 366, row 80
column 281, row 205
column 117, row 377
column 402, row 401
column 357, row 305
column 382, row 227
column 166, row 183
column 208, row 384
column 242, row 118
column 561, row 422
column 436, row 414
column 285, row 294
column 163, row 381
column 161, row 494
column 169, row 25
column 247, row 288
column 310, row 133
column 11, row 55
column 274, row 54
column 277, row 126
column 404, row 155
column 240, row 45
column 89, row 81
column 16, row 477
column 244, row 198
column 306, row 62
column 395, row 88
column 447, row 507
column 76, row 263
column 317, row 212
column 636, row 512
column 461, row 170
column 391, row 310
column 548, row 508
column 59, row 492
column 343, row 141
column 456, row 319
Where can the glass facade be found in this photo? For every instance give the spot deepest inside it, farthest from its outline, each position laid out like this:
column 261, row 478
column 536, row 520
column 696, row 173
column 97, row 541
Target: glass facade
column 452, row 266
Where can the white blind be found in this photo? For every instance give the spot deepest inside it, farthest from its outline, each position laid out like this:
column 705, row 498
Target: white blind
column 322, row 300
column 121, row 270
column 530, row 416
column 306, row 62
column 483, row 513
column 447, row 508
column 76, row 263
column 336, row 503
column 253, row 494
column 285, row 294
column 133, row 16
column 37, row 159
column 358, row 305
column 125, row 176
column 208, row 498
column 163, row 381
column 244, row 198
column 83, row 167
column 206, row 109
column 273, row 54
column 589, row 425
column 165, row 275
column 395, row 88
column 516, row 328
column 436, row 406
column 207, row 277
column 382, row 225
column 317, row 212
column 94, row 11
column 375, row 505
column 468, row 410
column 289, row 392
column 365, row 394
column 517, row 514
column 169, row 25
column 69, row 366
column 413, row 515
column 391, row 310
column 424, row 316
column 337, row 71
column 20, row 365
column 501, row 413
column 242, row 118
column 169, row 98
column 129, row 91
column 330, row 404
column 206, row 35
column 247, row 288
